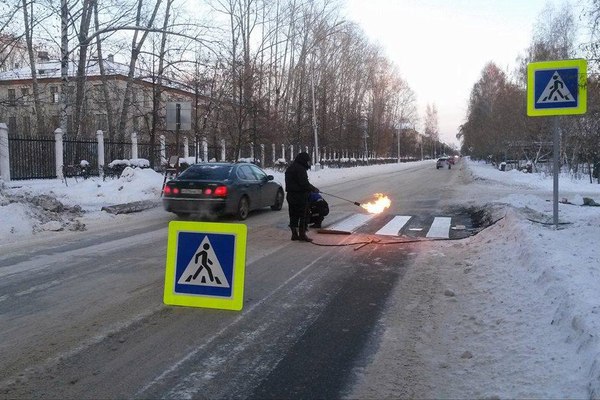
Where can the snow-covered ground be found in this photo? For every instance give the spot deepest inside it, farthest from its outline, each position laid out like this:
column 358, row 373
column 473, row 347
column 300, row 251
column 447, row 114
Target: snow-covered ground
column 518, row 315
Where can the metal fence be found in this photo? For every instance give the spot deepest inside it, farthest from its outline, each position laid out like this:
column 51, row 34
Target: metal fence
column 32, row 158
column 35, row 158
column 75, row 151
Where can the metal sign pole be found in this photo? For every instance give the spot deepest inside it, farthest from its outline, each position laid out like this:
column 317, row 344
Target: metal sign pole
column 556, row 151
column 556, row 88
column 177, row 127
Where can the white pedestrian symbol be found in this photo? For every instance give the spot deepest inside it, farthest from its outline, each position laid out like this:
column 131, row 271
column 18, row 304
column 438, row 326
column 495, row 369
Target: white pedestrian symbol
column 556, row 91
column 204, row 268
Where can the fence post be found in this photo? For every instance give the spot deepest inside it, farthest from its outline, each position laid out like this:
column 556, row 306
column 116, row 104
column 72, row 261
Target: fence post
column 58, row 151
column 134, row 145
column 282, row 151
column 163, row 150
column 100, row 140
column 223, row 153
column 291, row 152
column 262, row 155
column 273, row 152
column 186, row 147
column 205, row 149
column 4, row 153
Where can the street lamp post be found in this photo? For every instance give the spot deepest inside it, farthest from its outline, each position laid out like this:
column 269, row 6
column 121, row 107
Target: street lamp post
column 314, row 118
column 399, row 127
column 398, row 134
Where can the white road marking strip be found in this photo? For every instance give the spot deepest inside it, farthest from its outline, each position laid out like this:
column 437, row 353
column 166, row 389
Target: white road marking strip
column 393, row 227
column 440, row 228
column 352, row 223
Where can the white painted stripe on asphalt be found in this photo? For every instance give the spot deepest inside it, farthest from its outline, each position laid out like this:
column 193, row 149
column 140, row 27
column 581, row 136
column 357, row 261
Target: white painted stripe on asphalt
column 393, row 227
column 352, row 223
column 440, row 228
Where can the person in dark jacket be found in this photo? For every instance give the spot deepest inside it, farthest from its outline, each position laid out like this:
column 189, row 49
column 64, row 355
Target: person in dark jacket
column 318, row 209
column 298, row 189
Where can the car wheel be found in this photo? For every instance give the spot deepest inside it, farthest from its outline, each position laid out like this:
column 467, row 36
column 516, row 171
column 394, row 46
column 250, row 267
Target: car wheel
column 243, row 208
column 278, row 201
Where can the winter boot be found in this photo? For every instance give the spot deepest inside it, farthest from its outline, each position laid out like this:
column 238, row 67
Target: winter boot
column 295, row 233
column 302, row 236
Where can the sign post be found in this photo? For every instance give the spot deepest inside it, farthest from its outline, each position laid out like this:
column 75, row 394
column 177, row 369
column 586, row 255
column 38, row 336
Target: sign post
column 556, row 88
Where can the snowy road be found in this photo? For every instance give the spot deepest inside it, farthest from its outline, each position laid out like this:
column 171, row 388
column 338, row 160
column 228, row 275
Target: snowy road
column 83, row 317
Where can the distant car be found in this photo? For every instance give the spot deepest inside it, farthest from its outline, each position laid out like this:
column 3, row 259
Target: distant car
column 442, row 162
column 222, row 188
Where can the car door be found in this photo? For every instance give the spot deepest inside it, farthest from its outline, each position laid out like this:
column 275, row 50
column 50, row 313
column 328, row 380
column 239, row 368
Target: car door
column 250, row 185
column 267, row 188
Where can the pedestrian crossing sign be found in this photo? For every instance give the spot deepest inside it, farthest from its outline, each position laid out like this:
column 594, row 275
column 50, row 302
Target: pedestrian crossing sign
column 205, row 265
column 557, row 87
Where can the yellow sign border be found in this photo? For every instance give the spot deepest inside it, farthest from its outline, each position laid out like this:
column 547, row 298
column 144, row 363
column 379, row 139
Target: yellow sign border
column 236, row 301
column 580, row 64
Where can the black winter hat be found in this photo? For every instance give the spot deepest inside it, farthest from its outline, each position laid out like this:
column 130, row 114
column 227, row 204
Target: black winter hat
column 303, row 159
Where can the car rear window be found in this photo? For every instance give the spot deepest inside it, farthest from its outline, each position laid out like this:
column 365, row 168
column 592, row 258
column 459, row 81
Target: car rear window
column 207, row 172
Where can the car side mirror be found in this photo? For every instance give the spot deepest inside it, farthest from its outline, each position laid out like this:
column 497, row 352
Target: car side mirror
column 270, row 177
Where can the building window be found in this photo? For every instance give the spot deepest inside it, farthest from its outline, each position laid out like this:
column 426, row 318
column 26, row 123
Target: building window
column 12, row 124
column 12, row 97
column 69, row 125
column 25, row 95
column 147, row 100
column 101, row 122
column 99, row 94
column 54, row 94
column 26, row 127
column 54, row 122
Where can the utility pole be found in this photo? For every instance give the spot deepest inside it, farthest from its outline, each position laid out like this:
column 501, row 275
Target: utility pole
column 64, row 66
column 314, row 116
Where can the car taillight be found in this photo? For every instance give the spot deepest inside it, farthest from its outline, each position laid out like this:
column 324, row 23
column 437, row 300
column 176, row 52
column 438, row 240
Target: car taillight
column 220, row 191
column 208, row 191
column 170, row 190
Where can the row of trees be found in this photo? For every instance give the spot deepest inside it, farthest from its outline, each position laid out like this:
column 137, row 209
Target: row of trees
column 261, row 71
column 497, row 126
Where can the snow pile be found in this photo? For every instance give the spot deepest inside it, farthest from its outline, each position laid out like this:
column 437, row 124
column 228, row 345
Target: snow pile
column 28, row 207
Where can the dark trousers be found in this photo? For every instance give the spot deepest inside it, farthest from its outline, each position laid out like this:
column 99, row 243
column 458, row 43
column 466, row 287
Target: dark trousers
column 297, row 208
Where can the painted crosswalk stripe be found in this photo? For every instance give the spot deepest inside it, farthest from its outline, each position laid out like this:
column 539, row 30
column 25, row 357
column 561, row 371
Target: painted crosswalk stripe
column 352, row 223
column 393, row 227
column 440, row 228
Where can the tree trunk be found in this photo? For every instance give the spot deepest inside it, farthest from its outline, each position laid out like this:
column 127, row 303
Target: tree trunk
column 37, row 104
column 136, row 47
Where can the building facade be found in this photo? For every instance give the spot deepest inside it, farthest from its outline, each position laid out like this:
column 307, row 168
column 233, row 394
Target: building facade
column 103, row 99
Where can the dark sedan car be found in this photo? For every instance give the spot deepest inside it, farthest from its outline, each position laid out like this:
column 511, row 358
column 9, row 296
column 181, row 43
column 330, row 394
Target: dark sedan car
column 443, row 162
column 222, row 188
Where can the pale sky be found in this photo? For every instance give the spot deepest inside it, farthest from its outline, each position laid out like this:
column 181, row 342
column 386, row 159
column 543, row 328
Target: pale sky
column 441, row 46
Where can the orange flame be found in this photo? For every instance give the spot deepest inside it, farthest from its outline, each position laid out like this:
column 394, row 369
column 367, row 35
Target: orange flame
column 378, row 205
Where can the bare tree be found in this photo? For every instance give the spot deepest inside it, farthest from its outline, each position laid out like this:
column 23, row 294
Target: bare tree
column 29, row 24
column 432, row 127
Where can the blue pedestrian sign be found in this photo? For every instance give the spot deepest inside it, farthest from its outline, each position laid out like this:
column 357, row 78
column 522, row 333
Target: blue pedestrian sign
column 205, row 265
column 557, row 87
